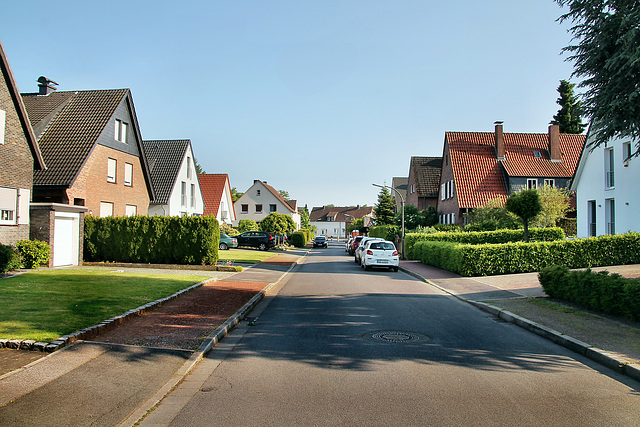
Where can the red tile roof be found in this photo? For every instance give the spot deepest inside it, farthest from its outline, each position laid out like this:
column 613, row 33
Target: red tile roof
column 212, row 186
column 480, row 177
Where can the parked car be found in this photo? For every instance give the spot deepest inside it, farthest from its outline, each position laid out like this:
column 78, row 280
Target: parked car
column 256, row 239
column 227, row 242
column 357, row 255
column 348, row 244
column 320, row 242
column 380, row 253
column 354, row 244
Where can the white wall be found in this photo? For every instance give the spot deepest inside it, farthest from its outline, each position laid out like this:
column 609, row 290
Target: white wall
column 175, row 207
column 226, row 213
column 258, row 194
column 590, row 185
column 335, row 229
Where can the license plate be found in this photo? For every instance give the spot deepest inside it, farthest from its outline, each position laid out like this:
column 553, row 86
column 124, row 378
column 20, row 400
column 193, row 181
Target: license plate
column 383, row 261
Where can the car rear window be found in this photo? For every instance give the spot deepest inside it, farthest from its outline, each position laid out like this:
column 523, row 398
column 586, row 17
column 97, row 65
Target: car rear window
column 382, row 245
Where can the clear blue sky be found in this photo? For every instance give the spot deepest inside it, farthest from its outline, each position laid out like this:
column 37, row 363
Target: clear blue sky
column 320, row 98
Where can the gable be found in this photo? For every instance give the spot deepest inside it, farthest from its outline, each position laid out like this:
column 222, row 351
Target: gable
column 165, row 159
column 425, row 172
column 213, row 189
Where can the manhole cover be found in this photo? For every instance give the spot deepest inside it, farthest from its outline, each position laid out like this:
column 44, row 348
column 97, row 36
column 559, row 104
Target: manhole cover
column 394, row 336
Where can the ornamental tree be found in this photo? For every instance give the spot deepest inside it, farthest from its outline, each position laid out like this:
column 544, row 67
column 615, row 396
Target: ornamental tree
column 526, row 205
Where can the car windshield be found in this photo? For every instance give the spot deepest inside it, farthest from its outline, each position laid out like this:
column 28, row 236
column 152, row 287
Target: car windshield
column 382, row 245
column 320, row 238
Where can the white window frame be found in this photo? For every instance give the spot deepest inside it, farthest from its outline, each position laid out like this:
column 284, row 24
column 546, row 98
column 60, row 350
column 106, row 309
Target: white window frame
column 106, row 209
column 112, row 169
column 244, row 208
column 551, row 182
column 120, row 131
column 128, row 174
column 8, row 205
column 442, row 195
column 609, row 168
column 532, row 183
column 193, row 195
column 3, row 120
column 592, row 214
column 273, row 208
column 626, row 153
column 188, row 167
column 183, row 193
column 260, row 206
column 131, row 210
column 610, row 215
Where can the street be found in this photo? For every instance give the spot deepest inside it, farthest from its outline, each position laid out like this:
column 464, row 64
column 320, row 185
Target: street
column 342, row 346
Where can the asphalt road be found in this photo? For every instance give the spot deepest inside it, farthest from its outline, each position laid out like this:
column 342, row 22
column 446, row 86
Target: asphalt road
column 342, row 346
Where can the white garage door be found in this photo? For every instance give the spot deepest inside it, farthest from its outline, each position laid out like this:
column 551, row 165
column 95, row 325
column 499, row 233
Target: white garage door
column 63, row 239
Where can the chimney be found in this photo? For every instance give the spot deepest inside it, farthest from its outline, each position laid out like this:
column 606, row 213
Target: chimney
column 45, row 85
column 554, row 143
column 499, row 138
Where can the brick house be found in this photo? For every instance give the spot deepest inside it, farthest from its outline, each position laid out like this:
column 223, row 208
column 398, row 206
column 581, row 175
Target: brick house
column 19, row 156
column 216, row 191
column 423, row 182
column 174, row 178
column 91, row 143
column 481, row 166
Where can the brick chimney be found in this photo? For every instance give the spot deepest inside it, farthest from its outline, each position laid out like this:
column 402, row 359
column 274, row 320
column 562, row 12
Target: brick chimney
column 554, row 143
column 46, row 85
column 499, row 138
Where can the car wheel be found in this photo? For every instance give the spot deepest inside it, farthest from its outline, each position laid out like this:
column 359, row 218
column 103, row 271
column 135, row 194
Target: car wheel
column 395, row 269
column 263, row 246
column 223, row 246
column 367, row 267
column 355, row 260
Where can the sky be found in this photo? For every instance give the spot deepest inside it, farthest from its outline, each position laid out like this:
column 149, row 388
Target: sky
column 320, row 98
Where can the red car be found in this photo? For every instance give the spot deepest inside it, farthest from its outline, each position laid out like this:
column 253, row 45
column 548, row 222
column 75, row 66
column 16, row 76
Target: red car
column 354, row 244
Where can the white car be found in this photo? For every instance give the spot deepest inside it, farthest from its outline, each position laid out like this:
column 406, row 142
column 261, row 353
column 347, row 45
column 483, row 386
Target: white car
column 380, row 254
column 358, row 252
column 346, row 246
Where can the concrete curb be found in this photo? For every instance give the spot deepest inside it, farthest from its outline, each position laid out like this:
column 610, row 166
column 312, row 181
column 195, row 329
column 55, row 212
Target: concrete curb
column 215, row 337
column 602, row 357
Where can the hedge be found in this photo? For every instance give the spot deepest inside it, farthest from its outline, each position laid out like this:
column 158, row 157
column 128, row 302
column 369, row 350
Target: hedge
column 387, row 232
column 9, row 258
column 483, row 237
column 33, row 253
column 520, row 257
column 298, row 239
column 608, row 293
column 155, row 239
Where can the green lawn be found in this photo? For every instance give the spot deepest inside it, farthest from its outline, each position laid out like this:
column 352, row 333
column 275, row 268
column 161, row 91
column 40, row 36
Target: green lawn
column 244, row 256
column 44, row 305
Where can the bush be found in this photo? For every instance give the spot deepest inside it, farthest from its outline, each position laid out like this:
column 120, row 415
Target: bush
column 9, row 258
column 33, row 253
column 298, row 239
column 483, row 237
column 156, row 239
column 520, row 257
column 387, row 232
column 447, row 227
column 247, row 225
column 308, row 234
column 277, row 223
column 608, row 293
column 569, row 225
column 228, row 230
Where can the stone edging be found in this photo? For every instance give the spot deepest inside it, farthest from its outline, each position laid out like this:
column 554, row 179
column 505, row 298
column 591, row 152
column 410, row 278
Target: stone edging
column 595, row 354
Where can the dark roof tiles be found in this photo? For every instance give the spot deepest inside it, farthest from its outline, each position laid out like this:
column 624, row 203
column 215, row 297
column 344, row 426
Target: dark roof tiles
column 165, row 159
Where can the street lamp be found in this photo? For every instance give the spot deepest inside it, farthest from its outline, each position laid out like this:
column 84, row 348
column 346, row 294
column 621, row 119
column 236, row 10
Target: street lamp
column 402, row 207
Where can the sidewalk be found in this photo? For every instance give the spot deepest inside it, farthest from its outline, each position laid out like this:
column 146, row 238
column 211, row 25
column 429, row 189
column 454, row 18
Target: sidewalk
column 517, row 298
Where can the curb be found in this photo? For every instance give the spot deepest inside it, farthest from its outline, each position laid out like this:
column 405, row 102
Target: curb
column 602, row 357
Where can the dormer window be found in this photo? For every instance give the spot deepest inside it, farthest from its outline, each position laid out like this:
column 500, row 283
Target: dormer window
column 537, row 154
column 121, row 131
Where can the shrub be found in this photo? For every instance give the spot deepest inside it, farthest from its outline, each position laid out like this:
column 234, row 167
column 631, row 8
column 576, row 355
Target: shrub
column 298, row 239
column 447, row 227
column 277, row 223
column 33, row 253
column 569, row 225
column 387, row 232
column 228, row 230
column 9, row 258
column 157, row 239
column 308, row 234
column 608, row 293
column 247, row 225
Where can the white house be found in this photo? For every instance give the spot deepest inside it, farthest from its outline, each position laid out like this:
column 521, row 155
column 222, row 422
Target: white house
column 174, row 178
column 216, row 191
column 333, row 221
column 260, row 200
column 607, row 191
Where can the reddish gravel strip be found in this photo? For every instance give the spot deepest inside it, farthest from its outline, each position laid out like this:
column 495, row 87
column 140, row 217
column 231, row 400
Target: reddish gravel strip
column 184, row 322
column 281, row 259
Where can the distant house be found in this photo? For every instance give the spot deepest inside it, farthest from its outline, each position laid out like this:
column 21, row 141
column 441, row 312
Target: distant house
column 400, row 184
column 606, row 185
column 260, row 200
column 423, row 182
column 481, row 166
column 174, row 178
column 20, row 154
column 216, row 191
column 90, row 141
column 333, row 221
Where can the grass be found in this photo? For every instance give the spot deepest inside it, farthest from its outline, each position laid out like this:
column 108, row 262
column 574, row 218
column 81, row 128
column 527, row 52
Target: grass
column 244, row 256
column 44, row 305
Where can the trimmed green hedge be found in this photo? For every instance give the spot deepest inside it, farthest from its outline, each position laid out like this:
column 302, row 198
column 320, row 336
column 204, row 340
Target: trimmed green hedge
column 608, row 293
column 298, row 239
column 483, row 237
column 9, row 258
column 520, row 257
column 155, row 239
column 387, row 232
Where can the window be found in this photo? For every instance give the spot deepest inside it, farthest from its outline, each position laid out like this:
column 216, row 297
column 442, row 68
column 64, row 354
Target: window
column 106, row 209
column 609, row 168
column 188, row 167
column 183, row 193
column 3, row 117
column 131, row 210
column 258, row 208
column 128, row 174
column 6, row 215
column 193, row 195
column 626, row 153
column 532, row 183
column 245, row 208
column 272, row 208
column 257, row 192
column 591, row 212
column 550, row 182
column 610, row 215
column 442, row 195
column 537, row 154
column 8, row 205
column 111, row 170
column 453, row 218
column 121, row 131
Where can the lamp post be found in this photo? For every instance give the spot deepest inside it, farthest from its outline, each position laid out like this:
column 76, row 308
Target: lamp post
column 401, row 207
